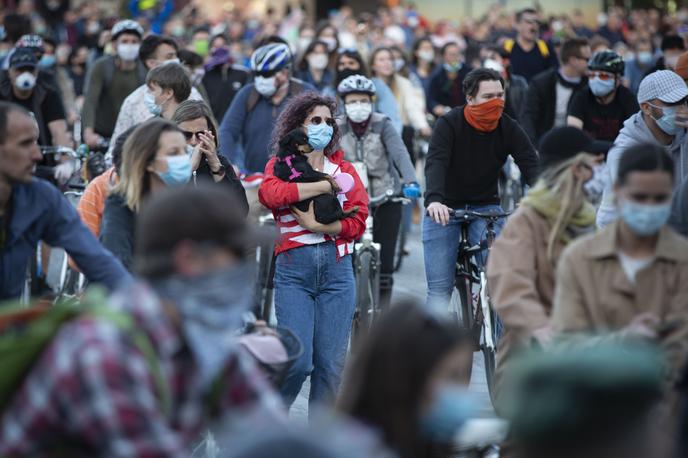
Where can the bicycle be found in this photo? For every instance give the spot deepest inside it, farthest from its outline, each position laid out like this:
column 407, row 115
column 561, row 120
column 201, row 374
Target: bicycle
column 474, row 310
column 265, row 258
column 511, row 187
column 366, row 263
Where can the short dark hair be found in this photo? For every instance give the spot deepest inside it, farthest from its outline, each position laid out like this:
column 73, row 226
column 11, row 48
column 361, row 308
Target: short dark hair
column 190, row 58
column 471, row 83
column 672, row 42
column 572, row 48
column 150, row 44
column 171, row 76
column 173, row 215
column 119, row 146
column 519, row 14
column 447, row 46
column 5, row 109
column 16, row 26
column 644, row 157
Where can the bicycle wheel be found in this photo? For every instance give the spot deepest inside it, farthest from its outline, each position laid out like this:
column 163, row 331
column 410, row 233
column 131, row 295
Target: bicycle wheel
column 363, row 316
column 490, row 356
column 399, row 249
column 464, row 304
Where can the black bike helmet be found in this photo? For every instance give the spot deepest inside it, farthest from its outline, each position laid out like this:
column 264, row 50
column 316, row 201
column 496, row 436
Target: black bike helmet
column 607, row 61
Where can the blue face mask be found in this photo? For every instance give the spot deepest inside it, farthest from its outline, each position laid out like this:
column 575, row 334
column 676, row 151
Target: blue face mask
column 178, row 170
column 668, row 120
column 644, row 57
column 601, row 88
column 643, row 219
column 319, row 135
column 47, row 61
column 149, row 102
column 450, row 409
column 452, row 68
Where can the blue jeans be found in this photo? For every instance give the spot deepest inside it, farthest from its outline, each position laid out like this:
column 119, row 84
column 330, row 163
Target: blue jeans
column 440, row 249
column 315, row 298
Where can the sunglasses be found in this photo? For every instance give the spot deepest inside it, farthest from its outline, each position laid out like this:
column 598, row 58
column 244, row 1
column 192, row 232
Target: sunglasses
column 316, row 120
column 189, row 135
column 601, row 75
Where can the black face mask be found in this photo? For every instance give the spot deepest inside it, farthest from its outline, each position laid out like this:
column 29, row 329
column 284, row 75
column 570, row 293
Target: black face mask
column 344, row 74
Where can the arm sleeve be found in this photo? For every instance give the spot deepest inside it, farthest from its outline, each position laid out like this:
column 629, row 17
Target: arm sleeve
column 679, row 210
column 397, row 152
column 232, row 126
column 92, row 89
column 66, row 230
column 387, row 104
column 124, row 121
column 415, row 106
column 524, row 154
column 53, row 109
column 90, row 207
column 512, row 276
column 232, row 181
column 531, row 111
column 354, row 226
column 275, row 193
column 577, row 105
column 115, row 234
column 437, row 161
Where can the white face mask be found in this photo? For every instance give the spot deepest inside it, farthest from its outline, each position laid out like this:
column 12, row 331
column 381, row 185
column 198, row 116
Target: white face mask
column 671, row 61
column 358, row 111
column 304, row 42
column 318, row 61
column 171, row 61
column 399, row 64
column 427, row 55
column 493, row 65
column 330, row 42
column 266, row 86
column 25, row 81
column 128, row 52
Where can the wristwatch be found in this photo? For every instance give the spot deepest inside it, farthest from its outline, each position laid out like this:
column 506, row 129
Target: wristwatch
column 220, row 171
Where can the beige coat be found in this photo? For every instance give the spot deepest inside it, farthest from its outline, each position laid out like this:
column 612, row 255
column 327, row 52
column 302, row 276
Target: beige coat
column 594, row 295
column 521, row 281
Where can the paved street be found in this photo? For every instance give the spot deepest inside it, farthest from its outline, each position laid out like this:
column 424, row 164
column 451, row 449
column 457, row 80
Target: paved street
column 409, row 283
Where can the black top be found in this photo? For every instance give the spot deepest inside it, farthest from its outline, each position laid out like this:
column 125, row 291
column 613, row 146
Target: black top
column 445, row 91
column 117, row 229
column 603, row 122
column 222, row 83
column 528, row 64
column 463, row 164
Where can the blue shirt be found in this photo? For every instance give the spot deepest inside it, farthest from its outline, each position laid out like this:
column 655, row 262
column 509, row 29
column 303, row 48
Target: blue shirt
column 245, row 136
column 386, row 103
column 38, row 211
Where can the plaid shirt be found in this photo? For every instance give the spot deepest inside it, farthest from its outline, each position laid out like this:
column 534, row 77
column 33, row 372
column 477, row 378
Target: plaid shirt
column 92, row 391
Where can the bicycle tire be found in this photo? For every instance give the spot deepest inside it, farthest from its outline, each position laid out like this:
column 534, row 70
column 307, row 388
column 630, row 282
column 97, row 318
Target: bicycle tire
column 262, row 280
column 364, row 301
column 490, row 358
column 399, row 249
column 464, row 291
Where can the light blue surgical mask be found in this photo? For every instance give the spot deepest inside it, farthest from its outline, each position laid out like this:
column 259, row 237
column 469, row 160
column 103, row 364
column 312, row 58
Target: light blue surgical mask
column 644, row 219
column 668, row 120
column 601, row 88
column 451, row 407
column 319, row 135
column 644, row 57
column 453, row 68
column 149, row 102
column 178, row 170
column 47, row 61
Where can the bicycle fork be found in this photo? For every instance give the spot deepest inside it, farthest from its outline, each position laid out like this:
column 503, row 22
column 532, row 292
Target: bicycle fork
column 487, row 317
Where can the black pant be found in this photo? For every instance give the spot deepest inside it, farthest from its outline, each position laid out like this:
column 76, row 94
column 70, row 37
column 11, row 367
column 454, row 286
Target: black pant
column 386, row 225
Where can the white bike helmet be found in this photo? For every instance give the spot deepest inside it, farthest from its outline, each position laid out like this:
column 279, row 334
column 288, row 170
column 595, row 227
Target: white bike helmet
column 356, row 84
column 127, row 26
column 271, row 58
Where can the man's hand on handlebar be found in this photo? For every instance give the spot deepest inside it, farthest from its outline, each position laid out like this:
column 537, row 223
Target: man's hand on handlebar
column 439, row 213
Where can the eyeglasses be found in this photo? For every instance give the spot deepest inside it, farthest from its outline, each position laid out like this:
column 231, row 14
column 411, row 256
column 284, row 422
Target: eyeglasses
column 601, row 75
column 316, row 120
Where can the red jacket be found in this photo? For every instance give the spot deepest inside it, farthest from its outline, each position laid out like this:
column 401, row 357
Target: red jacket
column 278, row 195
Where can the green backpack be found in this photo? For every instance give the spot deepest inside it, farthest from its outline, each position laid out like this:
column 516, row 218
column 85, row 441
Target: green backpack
column 26, row 332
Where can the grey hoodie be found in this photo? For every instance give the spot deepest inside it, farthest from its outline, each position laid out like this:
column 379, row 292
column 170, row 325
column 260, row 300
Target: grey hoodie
column 634, row 132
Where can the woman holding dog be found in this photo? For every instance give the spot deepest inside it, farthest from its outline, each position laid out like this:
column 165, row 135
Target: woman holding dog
column 372, row 144
column 314, row 279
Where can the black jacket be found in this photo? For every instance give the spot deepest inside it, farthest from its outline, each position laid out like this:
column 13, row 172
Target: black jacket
column 444, row 91
column 516, row 92
column 230, row 180
column 222, row 83
column 463, row 164
column 117, row 229
column 541, row 103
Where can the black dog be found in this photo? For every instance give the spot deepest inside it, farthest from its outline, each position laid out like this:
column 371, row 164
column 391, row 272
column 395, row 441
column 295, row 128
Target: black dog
column 293, row 166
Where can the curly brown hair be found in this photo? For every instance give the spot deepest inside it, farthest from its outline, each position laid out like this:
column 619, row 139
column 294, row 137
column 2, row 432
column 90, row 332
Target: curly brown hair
column 295, row 113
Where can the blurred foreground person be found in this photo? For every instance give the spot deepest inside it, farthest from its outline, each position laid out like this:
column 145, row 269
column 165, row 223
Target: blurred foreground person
column 585, row 403
column 101, row 388
column 409, row 382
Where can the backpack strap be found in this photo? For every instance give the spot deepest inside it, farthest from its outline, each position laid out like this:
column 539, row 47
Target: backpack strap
column 252, row 100
column 544, row 49
column 509, row 45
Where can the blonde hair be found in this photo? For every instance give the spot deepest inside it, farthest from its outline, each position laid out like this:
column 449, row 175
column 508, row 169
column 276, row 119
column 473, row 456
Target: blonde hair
column 138, row 152
column 561, row 182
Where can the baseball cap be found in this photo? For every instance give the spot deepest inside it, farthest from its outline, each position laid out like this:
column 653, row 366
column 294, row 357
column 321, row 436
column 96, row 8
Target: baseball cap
column 562, row 143
column 23, row 58
column 34, row 42
column 682, row 66
column 127, row 26
column 664, row 85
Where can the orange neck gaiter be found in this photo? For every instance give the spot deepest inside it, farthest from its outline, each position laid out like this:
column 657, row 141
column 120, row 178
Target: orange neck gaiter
column 484, row 117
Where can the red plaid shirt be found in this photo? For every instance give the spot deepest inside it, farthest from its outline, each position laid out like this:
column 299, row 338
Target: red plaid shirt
column 92, row 392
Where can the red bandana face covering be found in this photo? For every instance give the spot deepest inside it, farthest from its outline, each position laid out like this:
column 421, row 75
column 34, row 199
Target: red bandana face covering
column 484, row 117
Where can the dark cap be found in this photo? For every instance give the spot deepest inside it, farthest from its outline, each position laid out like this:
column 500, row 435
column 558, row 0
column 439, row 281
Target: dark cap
column 563, row 143
column 23, row 58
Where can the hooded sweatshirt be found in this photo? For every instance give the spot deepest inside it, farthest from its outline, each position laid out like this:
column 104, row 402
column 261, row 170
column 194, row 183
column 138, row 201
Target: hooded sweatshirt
column 634, row 132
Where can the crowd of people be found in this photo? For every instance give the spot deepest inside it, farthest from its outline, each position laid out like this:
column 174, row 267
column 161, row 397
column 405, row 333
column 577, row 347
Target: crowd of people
column 208, row 123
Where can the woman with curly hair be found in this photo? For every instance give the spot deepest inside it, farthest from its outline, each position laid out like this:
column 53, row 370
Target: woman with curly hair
column 314, row 279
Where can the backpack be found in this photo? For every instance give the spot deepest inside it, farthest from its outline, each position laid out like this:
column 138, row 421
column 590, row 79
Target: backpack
column 295, row 86
column 26, row 332
column 109, row 71
column 542, row 46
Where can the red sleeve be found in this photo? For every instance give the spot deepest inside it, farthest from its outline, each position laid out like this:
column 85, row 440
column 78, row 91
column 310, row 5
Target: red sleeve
column 275, row 193
column 354, row 226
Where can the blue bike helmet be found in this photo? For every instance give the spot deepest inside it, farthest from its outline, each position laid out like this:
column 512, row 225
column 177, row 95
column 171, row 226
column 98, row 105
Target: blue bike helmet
column 271, row 58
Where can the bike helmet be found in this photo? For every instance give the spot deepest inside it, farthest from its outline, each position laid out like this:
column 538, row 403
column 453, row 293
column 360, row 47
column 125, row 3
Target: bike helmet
column 356, row 84
column 271, row 58
column 607, row 61
column 127, row 26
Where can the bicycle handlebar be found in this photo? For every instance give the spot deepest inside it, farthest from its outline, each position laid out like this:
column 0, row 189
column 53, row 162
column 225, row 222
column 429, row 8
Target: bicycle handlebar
column 490, row 216
column 59, row 150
